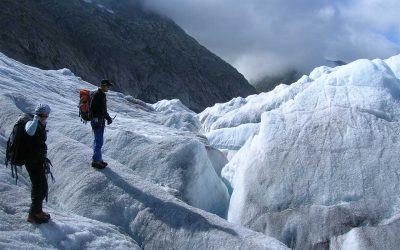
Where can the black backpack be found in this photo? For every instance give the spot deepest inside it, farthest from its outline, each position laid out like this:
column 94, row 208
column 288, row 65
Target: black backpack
column 16, row 151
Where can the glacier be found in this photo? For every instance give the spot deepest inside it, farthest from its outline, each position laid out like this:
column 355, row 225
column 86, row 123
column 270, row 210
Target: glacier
column 311, row 165
column 163, row 189
column 316, row 164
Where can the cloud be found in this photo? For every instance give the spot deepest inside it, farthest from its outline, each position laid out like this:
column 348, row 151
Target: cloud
column 262, row 37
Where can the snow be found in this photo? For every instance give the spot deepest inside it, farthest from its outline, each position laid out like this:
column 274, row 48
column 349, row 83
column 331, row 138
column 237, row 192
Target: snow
column 379, row 237
column 100, row 6
column 177, row 115
column 322, row 168
column 232, row 138
column 394, row 64
column 162, row 189
column 65, row 231
column 108, row 10
column 248, row 110
column 228, row 126
column 313, row 164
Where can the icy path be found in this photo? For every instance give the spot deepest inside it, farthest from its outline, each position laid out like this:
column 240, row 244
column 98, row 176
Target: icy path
column 158, row 165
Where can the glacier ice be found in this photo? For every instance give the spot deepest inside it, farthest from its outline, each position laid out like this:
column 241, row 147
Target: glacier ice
column 177, row 115
column 313, row 164
column 382, row 236
column 324, row 161
column 145, row 199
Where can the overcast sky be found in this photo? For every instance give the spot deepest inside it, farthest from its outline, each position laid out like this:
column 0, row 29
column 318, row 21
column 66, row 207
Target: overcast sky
column 266, row 37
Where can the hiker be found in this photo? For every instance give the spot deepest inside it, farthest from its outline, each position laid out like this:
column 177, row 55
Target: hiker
column 99, row 114
column 36, row 157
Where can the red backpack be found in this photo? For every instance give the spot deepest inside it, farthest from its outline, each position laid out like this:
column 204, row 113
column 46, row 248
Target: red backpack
column 85, row 99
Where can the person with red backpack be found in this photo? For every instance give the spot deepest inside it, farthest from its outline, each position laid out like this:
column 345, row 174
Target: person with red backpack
column 99, row 114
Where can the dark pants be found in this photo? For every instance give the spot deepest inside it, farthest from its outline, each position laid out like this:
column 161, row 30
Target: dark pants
column 39, row 186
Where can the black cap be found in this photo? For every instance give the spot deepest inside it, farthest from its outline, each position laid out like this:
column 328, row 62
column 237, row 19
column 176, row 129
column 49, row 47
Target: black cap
column 106, row 82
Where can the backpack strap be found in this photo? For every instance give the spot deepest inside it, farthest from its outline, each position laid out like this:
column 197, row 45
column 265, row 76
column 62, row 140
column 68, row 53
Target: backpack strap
column 7, row 159
column 14, row 170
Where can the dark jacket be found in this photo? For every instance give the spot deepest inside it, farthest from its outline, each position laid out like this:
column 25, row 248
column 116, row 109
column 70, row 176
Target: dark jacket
column 36, row 148
column 99, row 105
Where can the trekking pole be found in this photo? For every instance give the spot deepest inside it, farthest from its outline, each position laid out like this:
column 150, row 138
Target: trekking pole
column 114, row 117
column 47, row 165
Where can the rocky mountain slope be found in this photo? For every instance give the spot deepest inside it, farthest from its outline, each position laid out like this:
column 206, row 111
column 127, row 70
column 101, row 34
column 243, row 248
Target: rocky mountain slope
column 147, row 55
column 268, row 83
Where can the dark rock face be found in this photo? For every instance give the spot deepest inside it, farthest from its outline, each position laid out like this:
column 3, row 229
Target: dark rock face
column 148, row 56
column 268, row 83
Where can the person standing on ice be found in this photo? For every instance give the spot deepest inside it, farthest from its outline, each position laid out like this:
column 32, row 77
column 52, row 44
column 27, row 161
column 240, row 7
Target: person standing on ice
column 98, row 108
column 36, row 158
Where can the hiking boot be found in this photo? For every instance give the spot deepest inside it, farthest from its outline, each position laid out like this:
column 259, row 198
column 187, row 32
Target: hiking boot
column 98, row 165
column 38, row 218
column 44, row 214
column 104, row 163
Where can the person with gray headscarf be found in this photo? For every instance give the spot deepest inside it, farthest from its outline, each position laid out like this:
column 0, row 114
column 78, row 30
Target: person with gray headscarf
column 36, row 157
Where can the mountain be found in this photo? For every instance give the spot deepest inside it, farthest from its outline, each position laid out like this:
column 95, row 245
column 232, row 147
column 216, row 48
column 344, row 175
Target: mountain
column 147, row 55
column 336, row 62
column 315, row 163
column 268, row 83
column 162, row 189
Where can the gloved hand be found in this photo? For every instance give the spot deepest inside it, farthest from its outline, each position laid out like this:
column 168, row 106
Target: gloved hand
column 109, row 120
column 42, row 108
